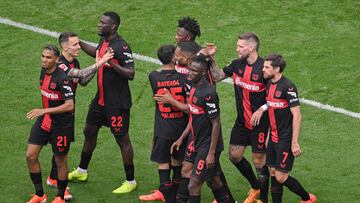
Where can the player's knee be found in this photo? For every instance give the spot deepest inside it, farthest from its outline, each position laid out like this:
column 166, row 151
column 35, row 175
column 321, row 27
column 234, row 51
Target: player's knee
column 281, row 177
column 194, row 188
column 186, row 170
column 259, row 159
column 235, row 156
column 31, row 157
column 60, row 160
column 90, row 132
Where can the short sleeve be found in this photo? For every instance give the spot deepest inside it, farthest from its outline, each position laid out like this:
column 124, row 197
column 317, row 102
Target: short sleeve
column 211, row 104
column 66, row 89
column 292, row 96
column 123, row 55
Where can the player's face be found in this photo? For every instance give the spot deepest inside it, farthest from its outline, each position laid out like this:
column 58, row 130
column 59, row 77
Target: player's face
column 268, row 70
column 48, row 59
column 182, row 35
column 243, row 49
column 104, row 26
column 72, row 47
column 196, row 72
column 181, row 58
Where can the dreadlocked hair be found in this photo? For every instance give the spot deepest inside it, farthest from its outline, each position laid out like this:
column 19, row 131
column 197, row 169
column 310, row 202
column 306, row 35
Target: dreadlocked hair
column 191, row 25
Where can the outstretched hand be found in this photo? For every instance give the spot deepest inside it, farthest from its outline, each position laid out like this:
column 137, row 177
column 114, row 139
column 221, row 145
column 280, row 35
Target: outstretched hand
column 35, row 113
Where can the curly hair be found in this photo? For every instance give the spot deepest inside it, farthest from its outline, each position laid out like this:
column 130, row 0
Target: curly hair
column 191, row 25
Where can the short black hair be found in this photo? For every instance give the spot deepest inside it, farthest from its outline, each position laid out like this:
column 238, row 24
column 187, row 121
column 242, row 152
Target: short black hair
column 114, row 16
column 53, row 49
column 64, row 37
column 250, row 36
column 191, row 25
column 189, row 47
column 276, row 61
column 166, row 53
column 202, row 60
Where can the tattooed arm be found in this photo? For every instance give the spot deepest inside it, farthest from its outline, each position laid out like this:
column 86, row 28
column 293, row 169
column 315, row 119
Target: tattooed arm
column 85, row 75
column 216, row 73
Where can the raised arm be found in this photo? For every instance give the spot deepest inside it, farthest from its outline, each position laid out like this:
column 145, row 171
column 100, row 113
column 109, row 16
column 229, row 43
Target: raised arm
column 90, row 50
column 210, row 51
column 86, row 74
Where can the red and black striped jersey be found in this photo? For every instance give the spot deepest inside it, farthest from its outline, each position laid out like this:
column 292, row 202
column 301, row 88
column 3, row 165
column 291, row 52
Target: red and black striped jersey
column 113, row 88
column 55, row 89
column 66, row 66
column 280, row 97
column 249, row 85
column 203, row 105
column 170, row 122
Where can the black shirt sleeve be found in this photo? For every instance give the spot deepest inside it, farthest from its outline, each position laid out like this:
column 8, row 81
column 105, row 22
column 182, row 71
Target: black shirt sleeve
column 292, row 96
column 211, row 105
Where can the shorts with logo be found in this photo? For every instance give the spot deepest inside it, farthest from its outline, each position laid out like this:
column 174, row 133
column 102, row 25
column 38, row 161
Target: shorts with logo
column 59, row 138
column 160, row 152
column 190, row 150
column 240, row 135
column 200, row 171
column 117, row 119
column 279, row 155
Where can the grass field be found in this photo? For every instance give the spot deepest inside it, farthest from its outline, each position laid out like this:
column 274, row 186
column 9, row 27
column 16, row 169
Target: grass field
column 319, row 39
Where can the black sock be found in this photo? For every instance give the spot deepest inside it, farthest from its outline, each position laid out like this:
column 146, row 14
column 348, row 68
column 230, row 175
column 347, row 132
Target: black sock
column 246, row 170
column 296, row 188
column 263, row 175
column 222, row 177
column 166, row 186
column 37, row 181
column 176, row 178
column 129, row 171
column 61, row 188
column 194, row 199
column 223, row 195
column 182, row 195
column 85, row 160
column 276, row 190
column 53, row 172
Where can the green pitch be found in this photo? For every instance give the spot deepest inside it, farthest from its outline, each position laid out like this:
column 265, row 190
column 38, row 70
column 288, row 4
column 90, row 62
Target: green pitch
column 319, row 39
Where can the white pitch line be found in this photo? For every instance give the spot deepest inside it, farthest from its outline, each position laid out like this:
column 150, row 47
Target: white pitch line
column 140, row 57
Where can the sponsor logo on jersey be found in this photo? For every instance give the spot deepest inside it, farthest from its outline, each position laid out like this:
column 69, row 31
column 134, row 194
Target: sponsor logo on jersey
column 51, row 95
column 63, row 67
column 211, row 105
column 245, row 85
column 293, row 94
column 276, row 104
column 128, row 54
column 68, row 88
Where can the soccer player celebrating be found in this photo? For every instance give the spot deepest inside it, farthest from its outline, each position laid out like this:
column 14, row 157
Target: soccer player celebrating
column 170, row 122
column 188, row 30
column 249, row 86
column 70, row 45
column 111, row 104
column 204, row 124
column 54, row 124
column 285, row 120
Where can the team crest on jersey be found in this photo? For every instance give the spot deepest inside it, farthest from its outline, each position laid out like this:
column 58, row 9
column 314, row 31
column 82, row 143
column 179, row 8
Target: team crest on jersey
column 277, row 93
column 52, row 85
column 194, row 99
column 255, row 77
